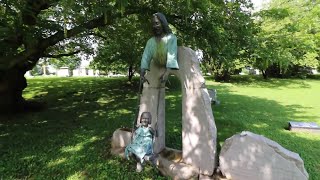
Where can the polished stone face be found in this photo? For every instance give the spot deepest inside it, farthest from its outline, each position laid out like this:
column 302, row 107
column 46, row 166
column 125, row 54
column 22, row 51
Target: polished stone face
column 157, row 27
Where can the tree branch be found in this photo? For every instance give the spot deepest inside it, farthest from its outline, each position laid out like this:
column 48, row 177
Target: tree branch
column 61, row 55
column 98, row 35
column 33, row 8
column 37, row 51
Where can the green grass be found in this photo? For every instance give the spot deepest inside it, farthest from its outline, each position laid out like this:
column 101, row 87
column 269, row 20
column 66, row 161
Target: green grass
column 71, row 139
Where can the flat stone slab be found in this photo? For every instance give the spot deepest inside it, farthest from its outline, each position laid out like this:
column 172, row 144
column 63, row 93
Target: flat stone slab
column 170, row 163
column 250, row 156
column 304, row 126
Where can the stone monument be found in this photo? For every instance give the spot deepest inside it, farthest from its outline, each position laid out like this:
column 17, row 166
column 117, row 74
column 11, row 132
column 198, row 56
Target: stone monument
column 162, row 57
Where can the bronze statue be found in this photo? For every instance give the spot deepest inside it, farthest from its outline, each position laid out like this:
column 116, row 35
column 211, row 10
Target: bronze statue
column 141, row 147
column 161, row 48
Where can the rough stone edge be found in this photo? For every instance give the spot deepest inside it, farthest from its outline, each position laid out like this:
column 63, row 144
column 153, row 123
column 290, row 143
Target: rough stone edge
column 177, row 170
column 285, row 153
column 118, row 152
column 295, row 157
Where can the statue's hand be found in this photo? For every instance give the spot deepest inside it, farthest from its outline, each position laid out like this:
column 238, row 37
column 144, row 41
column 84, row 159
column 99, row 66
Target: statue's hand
column 142, row 79
column 142, row 73
column 164, row 77
column 142, row 76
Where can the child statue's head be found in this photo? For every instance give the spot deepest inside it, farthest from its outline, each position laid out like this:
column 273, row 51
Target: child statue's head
column 145, row 119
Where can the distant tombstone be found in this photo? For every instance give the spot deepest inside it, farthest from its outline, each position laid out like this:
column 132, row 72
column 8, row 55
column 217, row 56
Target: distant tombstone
column 76, row 72
column 213, row 96
column 314, row 71
column 90, row 72
column 63, row 72
column 304, row 126
column 97, row 73
column 83, row 71
column 28, row 74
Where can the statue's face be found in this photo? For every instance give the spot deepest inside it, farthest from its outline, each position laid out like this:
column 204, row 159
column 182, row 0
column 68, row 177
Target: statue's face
column 144, row 122
column 157, row 26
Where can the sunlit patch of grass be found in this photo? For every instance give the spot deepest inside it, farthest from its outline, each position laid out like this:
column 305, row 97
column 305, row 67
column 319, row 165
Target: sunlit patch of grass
column 57, row 162
column 78, row 176
column 71, row 139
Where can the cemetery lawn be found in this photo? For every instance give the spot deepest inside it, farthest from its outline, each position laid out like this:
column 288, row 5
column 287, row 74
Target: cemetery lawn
column 71, row 138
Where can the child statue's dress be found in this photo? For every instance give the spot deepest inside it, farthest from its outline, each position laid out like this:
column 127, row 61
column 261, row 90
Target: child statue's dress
column 141, row 144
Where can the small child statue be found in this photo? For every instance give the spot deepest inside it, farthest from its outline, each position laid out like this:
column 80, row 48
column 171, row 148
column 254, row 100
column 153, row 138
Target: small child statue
column 142, row 142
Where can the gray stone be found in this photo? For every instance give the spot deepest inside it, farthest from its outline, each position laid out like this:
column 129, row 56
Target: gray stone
column 170, row 164
column 304, row 126
column 213, row 96
column 251, row 156
column 119, row 141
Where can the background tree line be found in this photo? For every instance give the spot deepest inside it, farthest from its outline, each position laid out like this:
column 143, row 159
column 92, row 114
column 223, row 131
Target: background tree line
column 281, row 40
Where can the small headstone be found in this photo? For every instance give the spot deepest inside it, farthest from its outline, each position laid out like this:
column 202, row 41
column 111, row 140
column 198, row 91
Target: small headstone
column 213, row 96
column 304, row 126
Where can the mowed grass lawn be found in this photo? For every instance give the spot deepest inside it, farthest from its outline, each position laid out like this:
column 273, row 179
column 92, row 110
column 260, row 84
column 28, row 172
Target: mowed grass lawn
column 71, row 138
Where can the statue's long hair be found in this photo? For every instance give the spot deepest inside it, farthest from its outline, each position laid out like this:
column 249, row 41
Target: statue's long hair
column 164, row 22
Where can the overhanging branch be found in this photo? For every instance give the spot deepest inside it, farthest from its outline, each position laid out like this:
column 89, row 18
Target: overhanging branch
column 98, row 35
column 61, row 55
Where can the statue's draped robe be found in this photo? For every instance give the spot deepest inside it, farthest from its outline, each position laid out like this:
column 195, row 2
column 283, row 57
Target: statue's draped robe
column 163, row 52
column 142, row 143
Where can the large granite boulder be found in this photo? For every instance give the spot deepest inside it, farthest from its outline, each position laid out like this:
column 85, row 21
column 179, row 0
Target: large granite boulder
column 247, row 156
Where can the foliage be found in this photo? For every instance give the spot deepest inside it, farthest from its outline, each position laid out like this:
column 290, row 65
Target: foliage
column 71, row 139
column 223, row 37
column 224, row 31
column 30, row 30
column 289, row 36
column 37, row 70
column 72, row 62
column 121, row 52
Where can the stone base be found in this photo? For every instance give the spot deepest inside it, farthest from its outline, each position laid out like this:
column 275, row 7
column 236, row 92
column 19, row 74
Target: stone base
column 118, row 151
column 171, row 164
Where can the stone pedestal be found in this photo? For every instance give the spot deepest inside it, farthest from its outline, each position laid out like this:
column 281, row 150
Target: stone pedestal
column 153, row 101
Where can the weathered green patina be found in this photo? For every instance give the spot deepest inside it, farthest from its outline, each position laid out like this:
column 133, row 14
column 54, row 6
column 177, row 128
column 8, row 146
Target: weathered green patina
column 163, row 52
column 141, row 145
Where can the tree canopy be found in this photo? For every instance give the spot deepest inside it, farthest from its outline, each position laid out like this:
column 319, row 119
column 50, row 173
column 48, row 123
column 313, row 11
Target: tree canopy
column 224, row 30
column 289, row 37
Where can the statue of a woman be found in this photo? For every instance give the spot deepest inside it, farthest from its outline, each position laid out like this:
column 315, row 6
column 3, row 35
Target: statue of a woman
column 161, row 48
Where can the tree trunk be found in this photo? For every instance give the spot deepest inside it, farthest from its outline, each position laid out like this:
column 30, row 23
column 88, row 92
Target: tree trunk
column 130, row 73
column 12, row 83
column 264, row 74
column 44, row 69
column 222, row 77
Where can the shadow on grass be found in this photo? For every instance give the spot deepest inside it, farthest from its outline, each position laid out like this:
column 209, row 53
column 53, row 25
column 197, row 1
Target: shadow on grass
column 238, row 113
column 71, row 138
